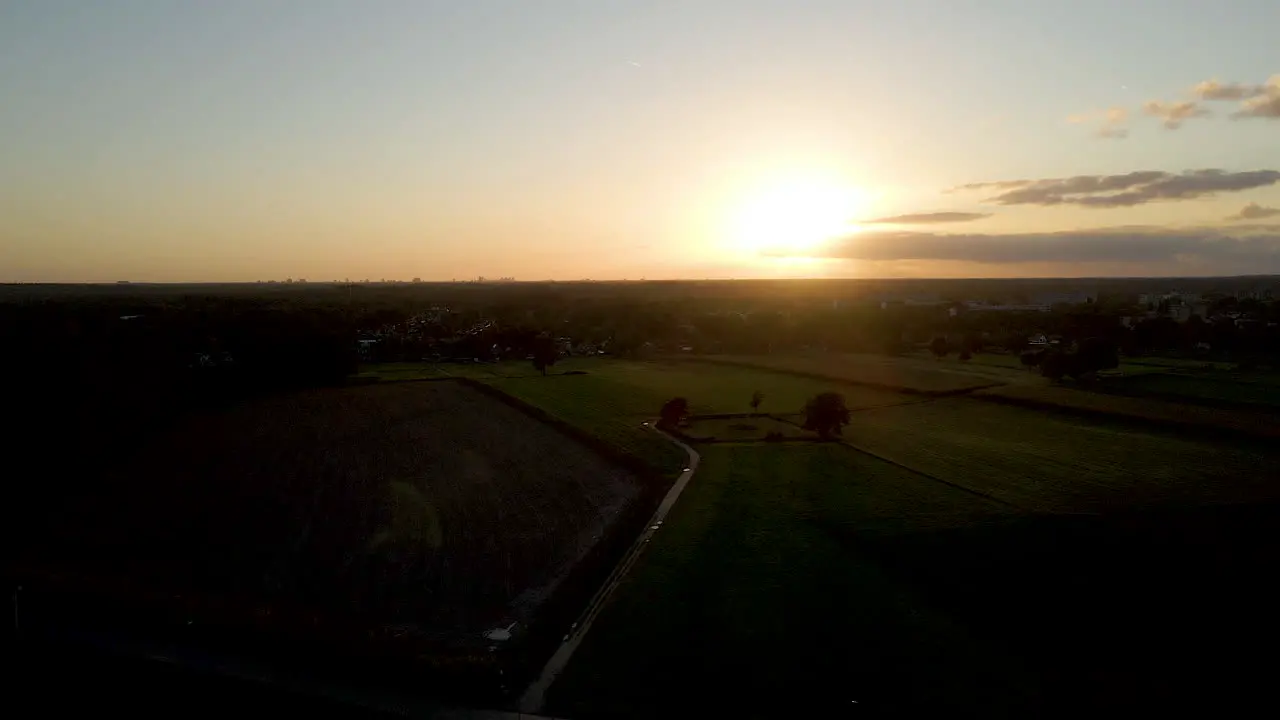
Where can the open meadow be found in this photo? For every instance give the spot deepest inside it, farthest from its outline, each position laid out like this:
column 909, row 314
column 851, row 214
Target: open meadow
column 1052, row 462
column 757, row 597
column 914, row 374
column 1214, row 389
column 947, row 553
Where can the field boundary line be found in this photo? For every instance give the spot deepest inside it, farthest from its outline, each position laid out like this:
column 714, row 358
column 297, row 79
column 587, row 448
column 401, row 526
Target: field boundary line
column 1264, row 430
column 534, row 697
column 843, row 381
column 971, row 491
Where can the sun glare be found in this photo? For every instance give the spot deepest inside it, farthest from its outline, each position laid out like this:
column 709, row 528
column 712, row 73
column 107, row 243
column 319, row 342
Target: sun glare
column 795, row 218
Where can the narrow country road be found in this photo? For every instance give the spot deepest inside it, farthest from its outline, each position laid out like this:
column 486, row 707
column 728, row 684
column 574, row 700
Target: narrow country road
column 535, row 695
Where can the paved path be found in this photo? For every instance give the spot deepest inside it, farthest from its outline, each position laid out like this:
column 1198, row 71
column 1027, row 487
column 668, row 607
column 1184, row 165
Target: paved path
column 535, row 695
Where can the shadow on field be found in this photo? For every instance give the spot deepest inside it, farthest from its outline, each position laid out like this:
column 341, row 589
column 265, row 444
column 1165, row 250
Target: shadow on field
column 1136, row 609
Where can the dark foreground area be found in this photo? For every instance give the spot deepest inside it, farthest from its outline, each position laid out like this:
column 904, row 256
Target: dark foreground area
column 1133, row 611
column 422, row 535
column 799, row 579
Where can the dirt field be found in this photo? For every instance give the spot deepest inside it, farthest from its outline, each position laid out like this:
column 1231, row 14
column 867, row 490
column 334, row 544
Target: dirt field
column 425, row 503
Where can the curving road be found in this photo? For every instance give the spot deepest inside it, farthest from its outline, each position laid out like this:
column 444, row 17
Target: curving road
column 535, row 695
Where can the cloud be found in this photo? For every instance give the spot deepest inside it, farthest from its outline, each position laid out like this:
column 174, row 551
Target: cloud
column 1256, row 101
column 1214, row 90
column 1127, row 190
column 1263, row 105
column 1112, row 122
column 996, row 185
column 1174, row 114
column 1254, row 211
column 1255, row 245
column 926, row 218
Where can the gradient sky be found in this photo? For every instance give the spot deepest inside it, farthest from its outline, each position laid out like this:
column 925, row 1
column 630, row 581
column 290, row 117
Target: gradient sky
column 193, row 140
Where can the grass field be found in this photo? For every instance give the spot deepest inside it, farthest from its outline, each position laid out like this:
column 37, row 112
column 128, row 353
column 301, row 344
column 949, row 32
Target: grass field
column 962, row 565
column 423, row 503
column 1206, row 389
column 909, row 374
column 614, row 397
column 1047, row 462
column 754, row 428
column 757, row 598
column 790, row 578
column 1179, row 415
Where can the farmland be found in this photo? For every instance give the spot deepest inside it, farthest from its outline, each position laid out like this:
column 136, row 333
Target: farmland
column 922, row 563
column 613, row 398
column 750, row 428
column 1211, row 390
column 1158, row 412
column 757, row 597
column 1048, row 462
column 911, row 375
column 425, row 505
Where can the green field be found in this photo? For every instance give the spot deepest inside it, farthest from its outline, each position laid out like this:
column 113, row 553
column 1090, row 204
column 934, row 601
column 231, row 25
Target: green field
column 1210, row 389
column 1048, row 462
column 1142, row 410
column 756, row 596
column 957, row 556
column 743, row 428
column 639, row 389
column 910, row 374
column 614, row 397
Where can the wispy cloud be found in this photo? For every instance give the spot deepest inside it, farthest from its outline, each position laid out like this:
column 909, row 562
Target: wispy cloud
column 1214, row 90
column 1135, row 244
column 1254, row 211
column 1127, row 190
column 928, row 218
column 1175, row 113
column 1263, row 105
column 1111, row 122
column 1256, row 101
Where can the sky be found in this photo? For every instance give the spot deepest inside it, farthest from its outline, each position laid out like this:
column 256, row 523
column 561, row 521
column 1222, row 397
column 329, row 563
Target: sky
column 186, row 140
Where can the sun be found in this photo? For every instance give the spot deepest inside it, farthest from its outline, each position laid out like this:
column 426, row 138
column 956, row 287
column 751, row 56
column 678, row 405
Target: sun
column 795, row 218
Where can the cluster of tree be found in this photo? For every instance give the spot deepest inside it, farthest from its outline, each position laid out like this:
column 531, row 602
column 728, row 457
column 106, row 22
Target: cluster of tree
column 1086, row 359
column 110, row 366
column 825, row 413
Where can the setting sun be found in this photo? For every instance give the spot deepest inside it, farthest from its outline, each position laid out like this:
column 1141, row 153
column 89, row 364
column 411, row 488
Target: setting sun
column 795, row 217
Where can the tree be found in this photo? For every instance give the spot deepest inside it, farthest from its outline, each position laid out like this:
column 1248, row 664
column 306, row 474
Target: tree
column 939, row 347
column 674, row 411
column 965, row 355
column 1054, row 365
column 757, row 397
column 972, row 344
column 826, row 414
column 545, row 353
column 1096, row 354
column 1015, row 342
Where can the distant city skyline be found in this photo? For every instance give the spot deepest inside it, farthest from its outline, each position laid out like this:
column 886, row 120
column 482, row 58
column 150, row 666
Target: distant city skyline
column 184, row 141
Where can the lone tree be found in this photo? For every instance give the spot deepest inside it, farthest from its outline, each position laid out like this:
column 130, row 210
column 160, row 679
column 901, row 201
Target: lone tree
column 673, row 412
column 545, row 353
column 826, row 414
column 939, row 347
column 757, row 397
